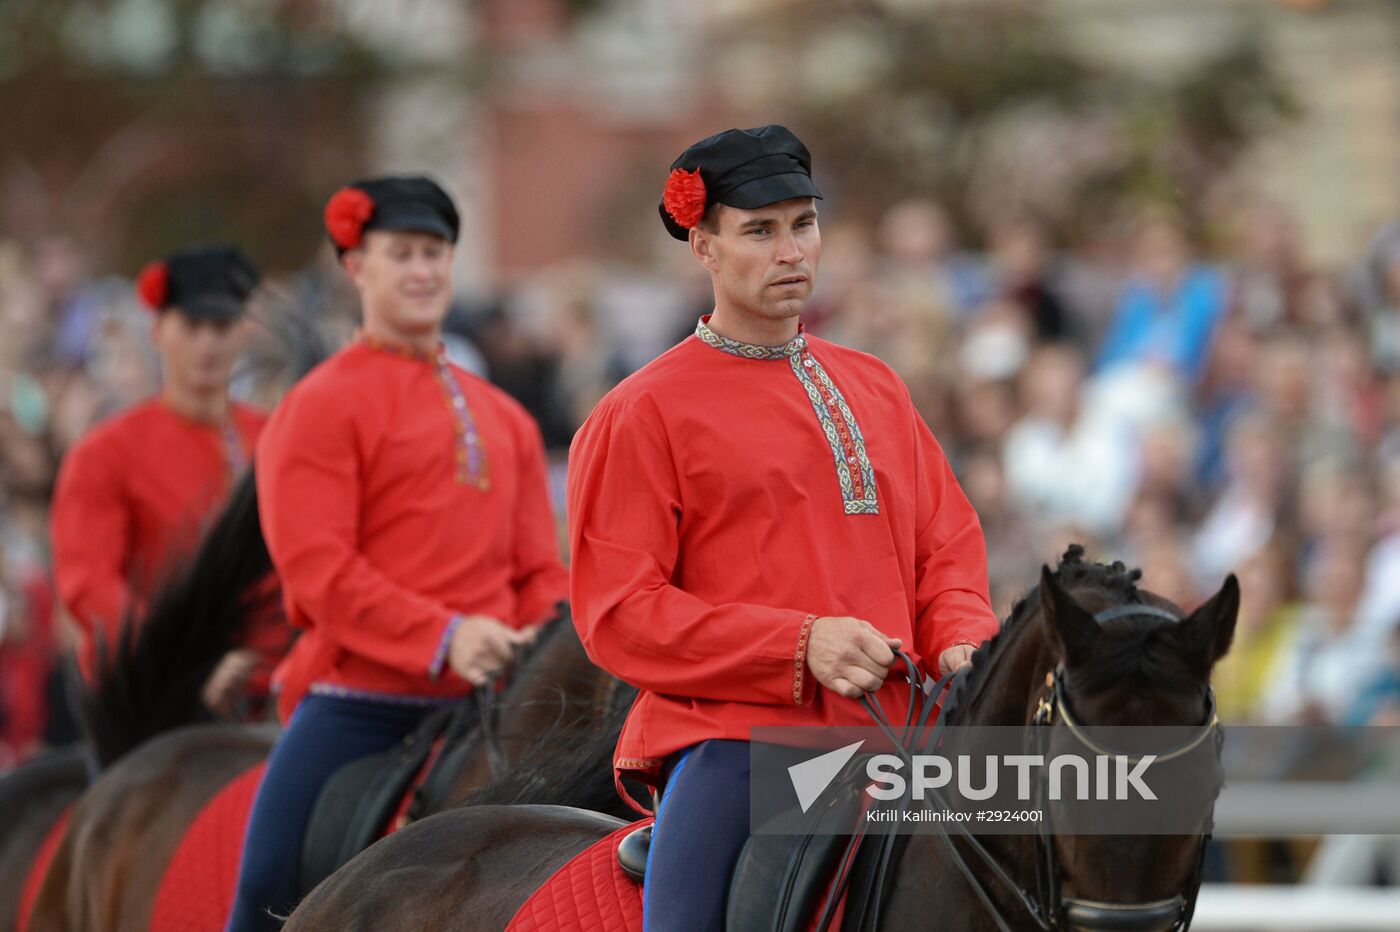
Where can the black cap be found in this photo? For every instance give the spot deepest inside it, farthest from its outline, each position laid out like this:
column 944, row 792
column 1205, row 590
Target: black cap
column 744, row 168
column 209, row 282
column 391, row 202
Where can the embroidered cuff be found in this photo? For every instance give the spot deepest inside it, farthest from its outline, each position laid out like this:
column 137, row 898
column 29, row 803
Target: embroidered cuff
column 444, row 645
column 799, row 664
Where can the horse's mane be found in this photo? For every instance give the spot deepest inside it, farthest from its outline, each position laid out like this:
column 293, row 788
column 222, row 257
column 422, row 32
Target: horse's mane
column 567, row 764
column 150, row 680
column 570, row 765
column 1073, row 572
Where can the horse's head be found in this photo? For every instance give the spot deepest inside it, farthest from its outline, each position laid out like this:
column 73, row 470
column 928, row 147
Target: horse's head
column 1133, row 658
column 1121, row 657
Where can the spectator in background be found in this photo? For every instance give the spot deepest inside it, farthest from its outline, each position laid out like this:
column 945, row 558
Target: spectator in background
column 1226, row 391
column 1288, row 382
column 916, row 244
column 1381, row 297
column 1347, row 407
column 1379, row 612
column 1335, row 504
column 1377, row 698
column 1267, row 623
column 1062, row 463
column 584, row 369
column 1270, row 276
column 1248, row 510
column 1022, row 271
column 1003, row 525
column 1166, row 571
column 1167, row 309
column 1166, row 453
column 1325, row 662
column 1152, row 519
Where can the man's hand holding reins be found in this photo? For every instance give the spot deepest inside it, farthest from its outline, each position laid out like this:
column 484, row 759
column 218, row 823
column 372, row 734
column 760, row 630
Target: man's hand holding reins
column 228, row 683
column 483, row 646
column 849, row 655
column 955, row 658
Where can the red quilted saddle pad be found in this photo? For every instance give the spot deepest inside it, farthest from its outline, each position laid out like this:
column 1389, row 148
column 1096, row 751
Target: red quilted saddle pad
column 588, row 894
column 40, row 869
column 196, row 892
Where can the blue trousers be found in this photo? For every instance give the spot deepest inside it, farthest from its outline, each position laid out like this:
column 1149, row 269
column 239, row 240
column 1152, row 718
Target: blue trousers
column 702, row 823
column 325, row 733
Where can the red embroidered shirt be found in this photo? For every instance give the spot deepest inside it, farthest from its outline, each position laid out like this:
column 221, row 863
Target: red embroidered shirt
column 726, row 494
column 396, row 493
column 134, row 495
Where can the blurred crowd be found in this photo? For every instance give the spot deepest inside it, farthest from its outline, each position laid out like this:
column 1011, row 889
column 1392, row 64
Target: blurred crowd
column 1190, row 404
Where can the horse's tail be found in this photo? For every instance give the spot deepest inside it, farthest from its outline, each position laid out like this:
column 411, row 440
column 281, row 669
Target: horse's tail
column 149, row 682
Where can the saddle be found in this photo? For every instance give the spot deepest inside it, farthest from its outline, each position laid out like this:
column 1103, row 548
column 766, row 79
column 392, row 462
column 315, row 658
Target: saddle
column 360, row 802
column 784, row 883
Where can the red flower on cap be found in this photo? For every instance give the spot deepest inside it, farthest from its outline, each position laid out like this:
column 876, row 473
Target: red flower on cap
column 347, row 212
column 153, row 285
column 684, row 197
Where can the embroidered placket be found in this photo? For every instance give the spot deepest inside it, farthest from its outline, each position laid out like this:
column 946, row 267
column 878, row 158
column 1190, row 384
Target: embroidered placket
column 233, row 447
column 472, row 468
column 854, row 471
column 471, row 465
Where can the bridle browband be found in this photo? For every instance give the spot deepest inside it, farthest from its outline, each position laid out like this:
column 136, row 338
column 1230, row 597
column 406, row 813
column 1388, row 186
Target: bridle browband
column 1048, row 909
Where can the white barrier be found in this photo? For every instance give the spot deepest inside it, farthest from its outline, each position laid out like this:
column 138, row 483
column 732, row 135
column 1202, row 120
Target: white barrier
column 1268, row 908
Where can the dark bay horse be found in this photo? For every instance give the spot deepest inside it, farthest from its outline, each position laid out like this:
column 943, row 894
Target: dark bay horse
column 472, row 868
column 124, row 832
column 194, row 619
column 146, row 684
column 157, row 776
column 32, row 798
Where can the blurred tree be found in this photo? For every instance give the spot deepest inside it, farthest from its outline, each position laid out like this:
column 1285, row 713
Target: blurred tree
column 137, row 124
column 992, row 106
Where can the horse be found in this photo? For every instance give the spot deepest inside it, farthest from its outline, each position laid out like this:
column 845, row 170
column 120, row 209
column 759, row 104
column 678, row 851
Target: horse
column 159, row 772
column 147, row 683
column 472, row 868
column 32, row 799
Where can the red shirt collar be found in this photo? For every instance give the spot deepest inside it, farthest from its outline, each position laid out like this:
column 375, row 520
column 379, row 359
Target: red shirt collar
column 373, row 342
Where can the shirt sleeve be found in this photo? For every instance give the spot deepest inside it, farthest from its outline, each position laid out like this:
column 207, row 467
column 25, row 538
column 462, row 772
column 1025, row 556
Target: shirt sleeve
column 309, row 489
column 539, row 578
column 90, row 529
column 624, row 504
column 950, row 553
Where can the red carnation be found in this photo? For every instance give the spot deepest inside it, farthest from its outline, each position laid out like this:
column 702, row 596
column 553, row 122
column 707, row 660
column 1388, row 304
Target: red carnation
column 684, row 197
column 153, row 285
column 347, row 212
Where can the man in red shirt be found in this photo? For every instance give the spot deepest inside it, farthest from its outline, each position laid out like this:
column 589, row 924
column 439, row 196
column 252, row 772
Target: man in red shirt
column 405, row 506
column 758, row 518
column 134, row 494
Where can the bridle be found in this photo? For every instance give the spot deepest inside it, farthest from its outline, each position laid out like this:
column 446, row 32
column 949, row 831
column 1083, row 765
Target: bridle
column 1059, row 911
column 1047, row 907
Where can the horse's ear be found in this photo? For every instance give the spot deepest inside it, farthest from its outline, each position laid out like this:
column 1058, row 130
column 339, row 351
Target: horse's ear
column 1207, row 632
column 1067, row 623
